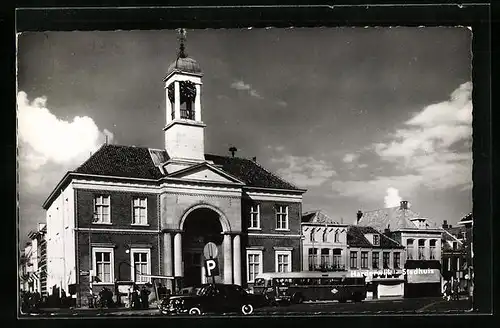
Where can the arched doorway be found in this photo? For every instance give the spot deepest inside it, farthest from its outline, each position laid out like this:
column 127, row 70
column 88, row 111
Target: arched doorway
column 201, row 226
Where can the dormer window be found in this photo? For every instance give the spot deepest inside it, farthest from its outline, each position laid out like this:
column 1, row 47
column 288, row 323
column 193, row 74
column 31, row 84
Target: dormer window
column 376, row 240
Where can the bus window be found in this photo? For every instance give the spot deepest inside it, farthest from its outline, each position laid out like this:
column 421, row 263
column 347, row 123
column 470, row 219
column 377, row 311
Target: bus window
column 260, row 282
column 296, row 281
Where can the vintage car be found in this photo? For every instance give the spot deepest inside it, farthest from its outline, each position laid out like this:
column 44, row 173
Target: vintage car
column 214, row 298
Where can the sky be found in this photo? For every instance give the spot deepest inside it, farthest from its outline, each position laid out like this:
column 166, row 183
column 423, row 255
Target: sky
column 360, row 117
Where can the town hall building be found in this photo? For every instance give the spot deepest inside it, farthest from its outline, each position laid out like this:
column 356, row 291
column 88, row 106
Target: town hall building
column 128, row 213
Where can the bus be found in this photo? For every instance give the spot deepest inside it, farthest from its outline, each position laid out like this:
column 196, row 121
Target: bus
column 296, row 287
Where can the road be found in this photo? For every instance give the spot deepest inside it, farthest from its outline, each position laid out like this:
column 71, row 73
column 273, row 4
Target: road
column 399, row 306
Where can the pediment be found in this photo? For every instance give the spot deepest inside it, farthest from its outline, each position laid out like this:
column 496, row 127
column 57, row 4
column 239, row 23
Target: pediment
column 205, row 172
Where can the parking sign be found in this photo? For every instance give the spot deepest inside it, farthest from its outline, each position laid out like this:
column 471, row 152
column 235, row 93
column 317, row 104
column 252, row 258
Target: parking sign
column 212, row 267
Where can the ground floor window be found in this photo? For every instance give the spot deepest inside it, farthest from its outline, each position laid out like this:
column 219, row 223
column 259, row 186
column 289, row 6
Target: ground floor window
column 254, row 264
column 283, row 261
column 140, row 260
column 103, row 264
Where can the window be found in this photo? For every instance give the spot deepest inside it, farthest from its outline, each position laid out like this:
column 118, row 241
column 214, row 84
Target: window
column 375, row 260
column 354, row 260
column 312, row 259
column 103, row 264
column 376, row 240
column 409, row 249
column 364, row 260
column 433, row 249
column 140, row 211
column 336, row 238
column 283, row 261
column 458, row 264
column 385, row 259
column 397, row 260
column 325, row 236
column 312, row 236
column 102, row 209
column 254, row 263
column 325, row 258
column 449, row 264
column 421, row 249
column 282, row 217
column 140, row 264
column 254, row 216
column 455, row 245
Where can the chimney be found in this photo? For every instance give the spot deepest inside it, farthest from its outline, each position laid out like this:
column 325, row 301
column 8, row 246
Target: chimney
column 445, row 224
column 233, row 150
column 254, row 159
column 359, row 216
column 404, row 205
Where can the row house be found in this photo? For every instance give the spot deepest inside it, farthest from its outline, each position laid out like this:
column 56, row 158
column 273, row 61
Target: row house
column 129, row 213
column 33, row 262
column 421, row 238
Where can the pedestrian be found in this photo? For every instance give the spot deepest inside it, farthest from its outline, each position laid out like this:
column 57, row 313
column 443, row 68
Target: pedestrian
column 471, row 295
column 136, row 302
column 145, row 297
column 455, row 289
column 447, row 290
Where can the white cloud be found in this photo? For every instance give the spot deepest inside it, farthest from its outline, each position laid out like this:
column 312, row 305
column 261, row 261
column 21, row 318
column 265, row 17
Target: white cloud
column 424, row 144
column 392, row 197
column 49, row 146
column 349, row 158
column 304, row 171
column 241, row 85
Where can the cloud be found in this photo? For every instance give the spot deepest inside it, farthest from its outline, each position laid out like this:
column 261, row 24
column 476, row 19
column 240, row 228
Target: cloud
column 242, row 86
column 436, row 142
column 282, row 103
column 392, row 197
column 304, row 171
column 349, row 158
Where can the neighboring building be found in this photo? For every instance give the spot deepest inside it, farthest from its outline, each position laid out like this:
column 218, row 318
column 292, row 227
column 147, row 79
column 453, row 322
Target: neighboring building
column 33, row 262
column 378, row 257
column 324, row 243
column 133, row 211
column 454, row 263
column 421, row 238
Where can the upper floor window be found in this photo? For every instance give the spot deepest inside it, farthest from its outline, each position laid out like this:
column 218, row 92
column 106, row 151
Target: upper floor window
column 364, row 260
column 421, row 249
column 102, row 209
column 385, row 259
column 336, row 236
column 433, row 249
column 455, row 245
column 354, row 260
column 254, row 217
column 325, row 236
column 375, row 260
column 376, row 240
column 397, row 260
column 312, row 236
column 409, row 249
column 282, row 217
column 140, row 211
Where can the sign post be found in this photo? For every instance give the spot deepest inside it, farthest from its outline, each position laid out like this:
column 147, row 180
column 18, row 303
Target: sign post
column 211, row 263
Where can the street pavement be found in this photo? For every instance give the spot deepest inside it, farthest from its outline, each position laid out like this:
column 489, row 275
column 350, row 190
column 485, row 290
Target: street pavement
column 389, row 306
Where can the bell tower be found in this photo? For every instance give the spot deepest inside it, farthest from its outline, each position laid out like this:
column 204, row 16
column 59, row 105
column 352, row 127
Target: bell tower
column 184, row 129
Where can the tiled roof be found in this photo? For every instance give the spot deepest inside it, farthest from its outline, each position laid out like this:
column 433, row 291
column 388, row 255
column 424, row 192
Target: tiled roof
column 356, row 238
column 468, row 217
column 250, row 172
column 140, row 162
column 317, row 217
column 392, row 217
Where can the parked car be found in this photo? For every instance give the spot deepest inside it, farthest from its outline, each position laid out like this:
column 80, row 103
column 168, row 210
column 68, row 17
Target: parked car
column 214, row 298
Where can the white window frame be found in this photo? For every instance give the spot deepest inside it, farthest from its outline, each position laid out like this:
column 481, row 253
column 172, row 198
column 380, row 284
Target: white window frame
column 432, row 249
column 132, row 264
column 276, row 257
column 145, row 207
column 325, row 236
column 257, row 213
column 102, row 204
column 377, row 238
column 336, row 236
column 259, row 254
column 110, row 250
column 278, row 210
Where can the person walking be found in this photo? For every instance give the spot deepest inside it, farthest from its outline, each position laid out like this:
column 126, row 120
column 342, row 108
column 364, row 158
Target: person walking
column 455, row 289
column 447, row 290
column 136, row 302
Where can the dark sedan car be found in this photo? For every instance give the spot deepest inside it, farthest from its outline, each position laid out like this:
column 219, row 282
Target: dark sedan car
column 214, row 298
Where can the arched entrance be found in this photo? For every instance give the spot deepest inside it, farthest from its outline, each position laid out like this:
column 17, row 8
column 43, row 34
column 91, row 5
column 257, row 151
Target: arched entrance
column 201, row 225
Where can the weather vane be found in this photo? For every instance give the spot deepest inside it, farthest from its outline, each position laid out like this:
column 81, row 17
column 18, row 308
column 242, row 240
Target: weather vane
column 182, row 38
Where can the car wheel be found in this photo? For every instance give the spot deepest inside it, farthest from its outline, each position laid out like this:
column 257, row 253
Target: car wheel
column 247, row 309
column 194, row 311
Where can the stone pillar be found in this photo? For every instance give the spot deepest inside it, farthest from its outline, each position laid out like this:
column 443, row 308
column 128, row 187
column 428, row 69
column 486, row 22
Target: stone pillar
column 177, row 102
column 237, row 259
column 228, row 263
column 318, row 256
column 178, row 269
column 168, row 260
column 330, row 257
column 168, row 107
column 197, row 104
column 427, row 249
column 415, row 249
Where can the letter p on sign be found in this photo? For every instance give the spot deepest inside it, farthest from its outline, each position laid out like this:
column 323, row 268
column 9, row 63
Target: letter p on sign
column 212, row 267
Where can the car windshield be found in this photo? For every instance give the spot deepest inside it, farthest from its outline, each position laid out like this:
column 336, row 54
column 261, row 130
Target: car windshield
column 205, row 290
